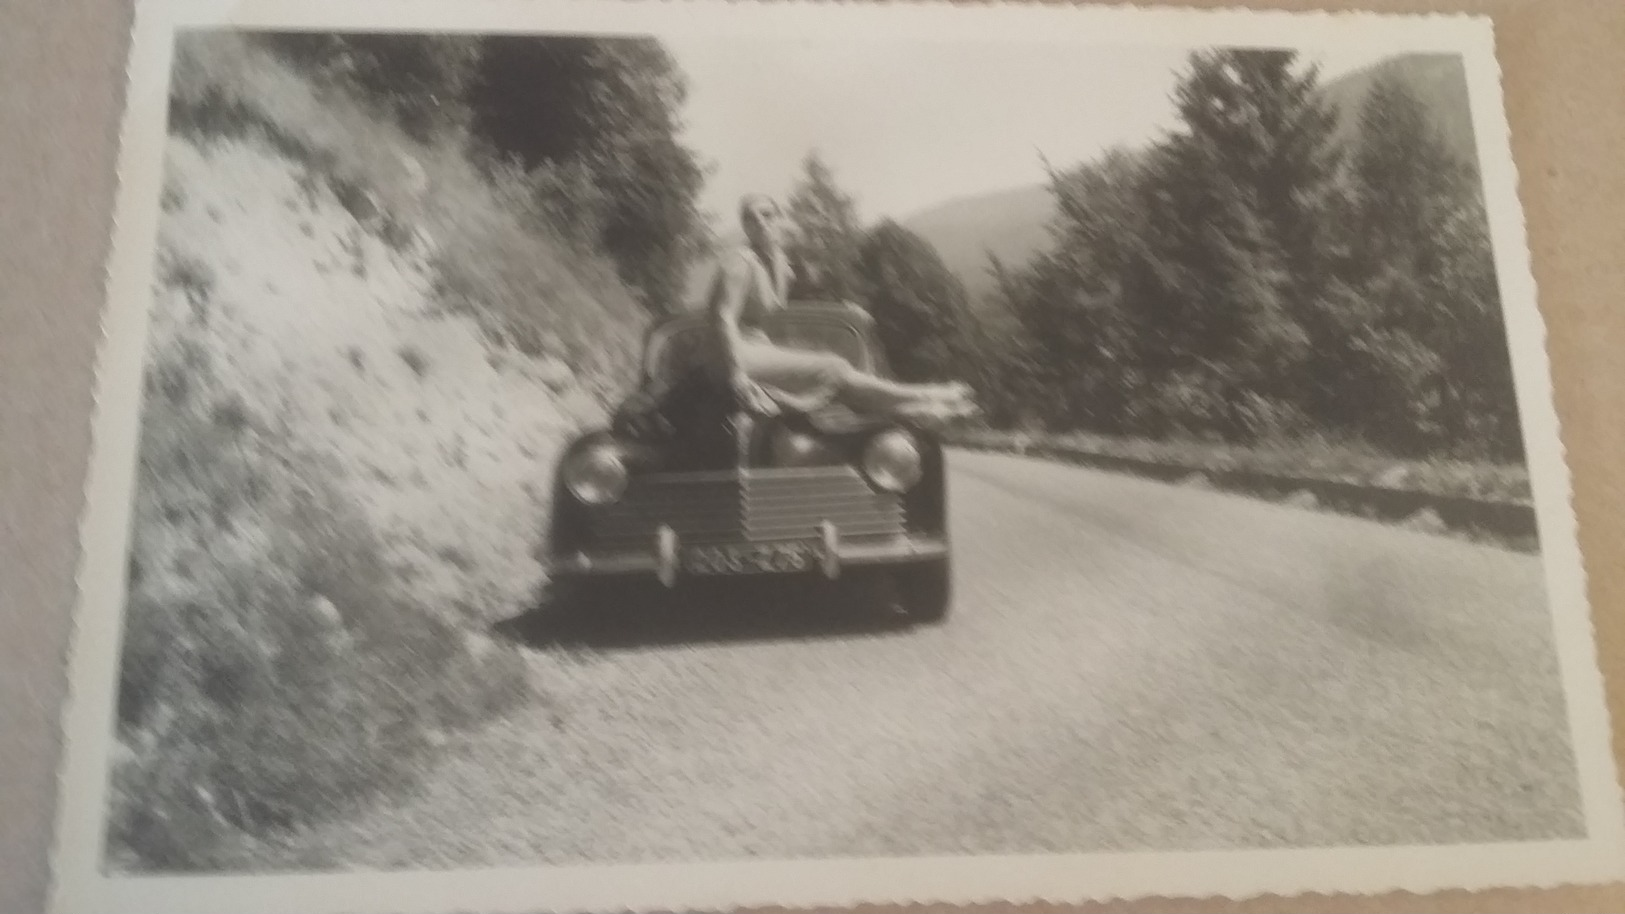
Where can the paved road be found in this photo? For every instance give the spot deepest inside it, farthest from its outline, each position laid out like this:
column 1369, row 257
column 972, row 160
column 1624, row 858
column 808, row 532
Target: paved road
column 1129, row 666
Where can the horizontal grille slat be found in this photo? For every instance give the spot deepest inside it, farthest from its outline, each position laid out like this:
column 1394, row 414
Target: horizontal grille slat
column 777, row 493
column 831, row 508
column 759, row 505
column 811, row 532
column 814, row 514
column 816, row 518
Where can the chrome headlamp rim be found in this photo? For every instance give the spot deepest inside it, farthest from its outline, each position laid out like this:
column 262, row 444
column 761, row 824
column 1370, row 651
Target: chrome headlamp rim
column 893, row 445
column 596, row 475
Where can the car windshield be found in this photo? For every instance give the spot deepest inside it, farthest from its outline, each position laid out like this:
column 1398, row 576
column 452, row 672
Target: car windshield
column 676, row 349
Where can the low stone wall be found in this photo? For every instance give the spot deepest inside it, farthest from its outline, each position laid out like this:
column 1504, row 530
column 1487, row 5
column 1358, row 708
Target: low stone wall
column 1510, row 523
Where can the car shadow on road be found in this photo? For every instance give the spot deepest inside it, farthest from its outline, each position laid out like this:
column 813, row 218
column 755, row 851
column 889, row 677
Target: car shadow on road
column 740, row 611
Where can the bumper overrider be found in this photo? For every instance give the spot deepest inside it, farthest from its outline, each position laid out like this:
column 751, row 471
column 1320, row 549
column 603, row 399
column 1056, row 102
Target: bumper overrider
column 668, row 560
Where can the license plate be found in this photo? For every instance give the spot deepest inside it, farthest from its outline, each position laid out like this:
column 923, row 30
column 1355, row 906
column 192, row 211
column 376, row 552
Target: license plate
column 752, row 558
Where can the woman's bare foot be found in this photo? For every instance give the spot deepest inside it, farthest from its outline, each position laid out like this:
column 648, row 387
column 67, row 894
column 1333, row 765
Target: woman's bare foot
column 940, row 412
column 957, row 391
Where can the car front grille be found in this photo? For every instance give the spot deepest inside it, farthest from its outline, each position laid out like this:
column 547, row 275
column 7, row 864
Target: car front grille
column 750, row 505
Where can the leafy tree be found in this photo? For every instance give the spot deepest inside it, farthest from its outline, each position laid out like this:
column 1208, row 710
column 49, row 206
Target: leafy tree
column 825, row 234
column 592, row 122
column 920, row 307
column 420, row 80
column 597, row 122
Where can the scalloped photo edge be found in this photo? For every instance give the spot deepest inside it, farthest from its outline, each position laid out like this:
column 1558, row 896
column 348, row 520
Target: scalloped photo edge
column 80, row 884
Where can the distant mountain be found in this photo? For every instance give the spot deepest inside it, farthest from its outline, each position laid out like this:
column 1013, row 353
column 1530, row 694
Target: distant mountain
column 1013, row 223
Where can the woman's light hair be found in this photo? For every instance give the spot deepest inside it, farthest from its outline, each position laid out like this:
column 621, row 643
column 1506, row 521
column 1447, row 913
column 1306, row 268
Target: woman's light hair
column 750, row 203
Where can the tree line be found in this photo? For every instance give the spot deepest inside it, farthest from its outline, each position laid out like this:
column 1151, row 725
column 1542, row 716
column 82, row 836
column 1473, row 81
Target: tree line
column 1257, row 275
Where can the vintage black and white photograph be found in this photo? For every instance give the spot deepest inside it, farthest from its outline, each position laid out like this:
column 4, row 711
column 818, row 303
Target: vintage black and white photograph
column 666, row 436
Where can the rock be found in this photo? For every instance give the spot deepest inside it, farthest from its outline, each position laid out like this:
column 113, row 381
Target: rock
column 477, row 645
column 416, row 180
column 552, row 372
column 1394, row 478
column 122, row 754
column 1303, row 498
column 1426, row 520
column 334, row 635
column 323, row 611
column 423, row 242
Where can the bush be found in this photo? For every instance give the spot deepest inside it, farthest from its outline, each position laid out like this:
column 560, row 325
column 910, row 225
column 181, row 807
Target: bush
column 272, row 671
column 598, row 123
column 420, row 81
column 1266, row 419
column 1185, row 403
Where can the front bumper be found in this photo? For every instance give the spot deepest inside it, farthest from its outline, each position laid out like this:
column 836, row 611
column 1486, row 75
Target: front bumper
column 663, row 560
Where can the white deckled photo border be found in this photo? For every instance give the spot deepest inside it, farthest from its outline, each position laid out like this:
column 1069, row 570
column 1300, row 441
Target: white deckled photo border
column 79, row 885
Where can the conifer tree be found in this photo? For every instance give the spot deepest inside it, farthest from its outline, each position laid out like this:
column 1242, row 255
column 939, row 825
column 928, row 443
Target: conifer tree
column 825, row 234
column 1422, row 267
column 1235, row 257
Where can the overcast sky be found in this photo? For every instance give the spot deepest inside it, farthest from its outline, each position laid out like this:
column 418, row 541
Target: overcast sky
column 906, row 126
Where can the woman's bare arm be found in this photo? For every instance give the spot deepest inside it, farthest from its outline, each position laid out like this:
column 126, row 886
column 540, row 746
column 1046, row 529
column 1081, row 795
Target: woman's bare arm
column 727, row 303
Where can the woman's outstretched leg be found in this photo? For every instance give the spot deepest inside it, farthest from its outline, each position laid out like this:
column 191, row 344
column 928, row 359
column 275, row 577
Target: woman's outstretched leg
column 867, row 393
column 870, row 393
column 796, row 370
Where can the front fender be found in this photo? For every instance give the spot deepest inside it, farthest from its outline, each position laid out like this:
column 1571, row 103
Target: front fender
column 565, row 526
column 927, row 503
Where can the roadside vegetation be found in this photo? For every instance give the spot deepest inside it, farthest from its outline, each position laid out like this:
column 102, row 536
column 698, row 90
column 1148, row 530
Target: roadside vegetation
column 374, row 320
column 1331, row 461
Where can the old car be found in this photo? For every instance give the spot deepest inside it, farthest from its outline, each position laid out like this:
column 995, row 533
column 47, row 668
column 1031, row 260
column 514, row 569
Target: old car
column 683, row 486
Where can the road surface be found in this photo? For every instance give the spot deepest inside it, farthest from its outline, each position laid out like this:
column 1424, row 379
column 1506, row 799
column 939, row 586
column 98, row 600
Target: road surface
column 1129, row 665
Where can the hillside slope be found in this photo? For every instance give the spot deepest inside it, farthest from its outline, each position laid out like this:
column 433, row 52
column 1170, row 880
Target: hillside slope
column 442, row 438
column 1009, row 224
column 362, row 365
